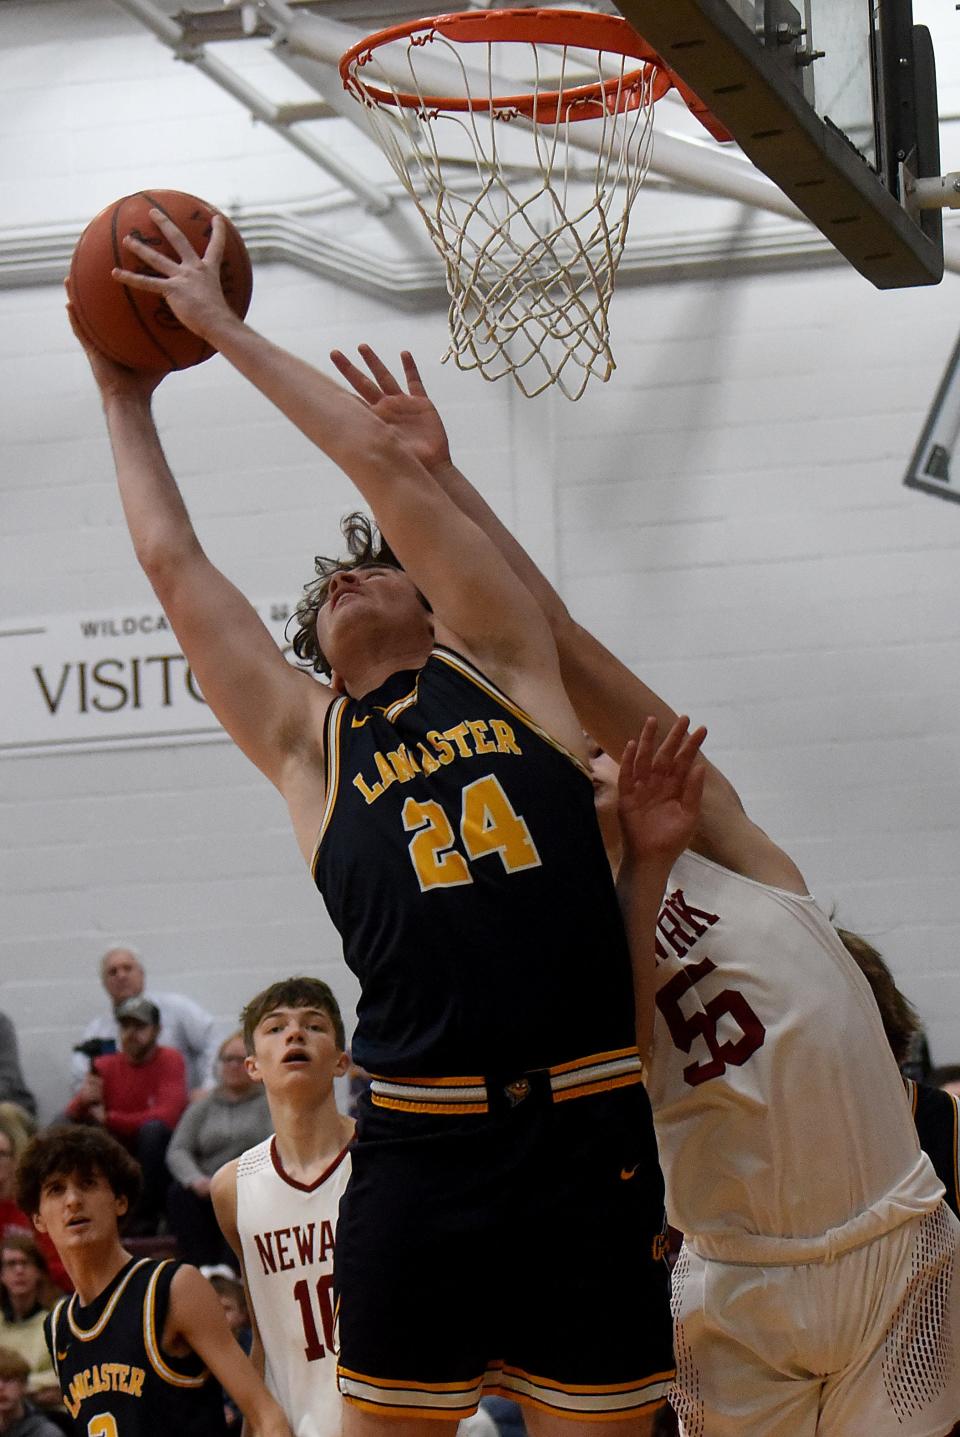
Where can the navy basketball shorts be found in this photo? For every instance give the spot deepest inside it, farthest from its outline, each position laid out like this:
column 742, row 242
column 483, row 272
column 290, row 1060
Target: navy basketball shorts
column 517, row 1253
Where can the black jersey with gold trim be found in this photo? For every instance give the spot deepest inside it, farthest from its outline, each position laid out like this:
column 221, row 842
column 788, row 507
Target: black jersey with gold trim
column 115, row 1377
column 937, row 1116
column 460, row 859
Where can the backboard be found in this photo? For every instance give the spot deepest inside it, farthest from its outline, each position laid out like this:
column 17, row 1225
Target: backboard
column 834, row 100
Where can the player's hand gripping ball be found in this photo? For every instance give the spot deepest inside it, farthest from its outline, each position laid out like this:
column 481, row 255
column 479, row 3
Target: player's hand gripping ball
column 134, row 327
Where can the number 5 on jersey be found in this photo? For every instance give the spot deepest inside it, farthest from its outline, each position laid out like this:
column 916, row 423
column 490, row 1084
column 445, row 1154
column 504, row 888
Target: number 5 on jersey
column 488, row 824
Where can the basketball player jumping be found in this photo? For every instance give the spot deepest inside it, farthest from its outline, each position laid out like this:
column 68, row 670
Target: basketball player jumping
column 277, row 1204
column 135, row 1346
column 440, row 793
column 818, row 1290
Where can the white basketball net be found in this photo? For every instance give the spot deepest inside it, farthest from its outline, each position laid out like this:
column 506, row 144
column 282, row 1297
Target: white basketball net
column 530, row 219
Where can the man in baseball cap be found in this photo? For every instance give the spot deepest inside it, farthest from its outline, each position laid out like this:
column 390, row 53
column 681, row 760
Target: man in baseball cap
column 138, row 1095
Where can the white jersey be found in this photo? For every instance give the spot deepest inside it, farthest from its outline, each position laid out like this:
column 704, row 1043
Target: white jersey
column 287, row 1234
column 784, row 1131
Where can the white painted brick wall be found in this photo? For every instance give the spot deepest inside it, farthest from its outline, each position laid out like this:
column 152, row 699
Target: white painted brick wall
column 727, row 513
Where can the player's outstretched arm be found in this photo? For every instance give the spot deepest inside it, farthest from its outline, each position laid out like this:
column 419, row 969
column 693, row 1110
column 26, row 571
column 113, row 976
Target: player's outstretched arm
column 266, row 706
column 612, row 703
column 472, row 592
column 660, row 792
column 196, row 1318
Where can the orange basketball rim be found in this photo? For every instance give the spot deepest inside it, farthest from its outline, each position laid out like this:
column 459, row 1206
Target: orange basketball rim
column 573, row 28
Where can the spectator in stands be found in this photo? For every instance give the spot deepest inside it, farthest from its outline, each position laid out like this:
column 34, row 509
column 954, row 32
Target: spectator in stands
column 233, row 1300
column 13, row 1089
column 138, row 1095
column 186, row 1026
column 18, row 1418
column 12, row 1219
column 935, row 1112
column 211, row 1132
column 26, row 1296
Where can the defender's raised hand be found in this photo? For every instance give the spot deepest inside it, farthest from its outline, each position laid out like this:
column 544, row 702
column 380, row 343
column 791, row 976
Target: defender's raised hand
column 411, row 413
column 660, row 790
column 191, row 284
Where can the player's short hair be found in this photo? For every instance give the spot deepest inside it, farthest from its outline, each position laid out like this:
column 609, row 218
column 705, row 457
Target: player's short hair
column 366, row 549
column 293, row 993
column 75, row 1148
column 900, row 1021
column 13, row 1367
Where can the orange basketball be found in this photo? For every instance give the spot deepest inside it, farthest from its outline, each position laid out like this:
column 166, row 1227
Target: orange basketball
column 132, row 326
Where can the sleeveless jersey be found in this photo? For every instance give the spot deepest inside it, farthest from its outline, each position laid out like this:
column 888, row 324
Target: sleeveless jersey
column 780, row 1113
column 459, row 857
column 937, row 1116
column 287, row 1234
column 113, row 1373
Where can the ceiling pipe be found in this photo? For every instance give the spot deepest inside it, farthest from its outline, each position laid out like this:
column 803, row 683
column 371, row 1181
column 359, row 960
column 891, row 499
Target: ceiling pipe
column 171, row 34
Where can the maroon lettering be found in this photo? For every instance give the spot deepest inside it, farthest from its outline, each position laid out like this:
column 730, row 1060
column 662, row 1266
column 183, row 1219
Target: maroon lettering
column 680, row 925
column 326, row 1239
column 265, row 1251
column 304, row 1241
column 282, row 1236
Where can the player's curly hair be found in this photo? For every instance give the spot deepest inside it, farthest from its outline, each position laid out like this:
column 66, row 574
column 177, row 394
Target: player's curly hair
column 293, row 993
column 898, row 1015
column 366, row 549
column 78, row 1148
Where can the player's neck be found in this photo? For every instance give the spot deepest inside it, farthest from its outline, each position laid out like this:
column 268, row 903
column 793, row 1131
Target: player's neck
column 309, row 1136
column 92, row 1269
column 367, row 671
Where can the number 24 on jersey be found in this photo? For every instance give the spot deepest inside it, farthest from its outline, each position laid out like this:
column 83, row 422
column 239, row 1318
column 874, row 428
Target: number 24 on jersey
column 489, row 825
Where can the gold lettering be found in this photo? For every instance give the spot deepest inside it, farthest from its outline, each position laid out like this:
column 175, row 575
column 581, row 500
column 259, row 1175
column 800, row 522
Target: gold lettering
column 369, row 793
column 444, row 750
column 503, row 733
column 427, row 761
column 137, row 1374
column 459, row 736
column 478, row 728
column 404, row 764
column 384, row 769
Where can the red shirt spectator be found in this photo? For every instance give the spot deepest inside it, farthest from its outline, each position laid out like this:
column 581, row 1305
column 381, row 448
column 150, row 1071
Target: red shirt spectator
column 135, row 1093
column 142, row 1083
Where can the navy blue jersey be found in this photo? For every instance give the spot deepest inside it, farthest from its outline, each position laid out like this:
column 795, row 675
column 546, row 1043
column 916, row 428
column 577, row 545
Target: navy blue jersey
column 115, row 1376
column 460, row 859
column 937, row 1116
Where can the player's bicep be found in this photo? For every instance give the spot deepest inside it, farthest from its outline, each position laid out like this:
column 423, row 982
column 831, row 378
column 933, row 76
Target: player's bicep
column 266, row 706
column 469, row 584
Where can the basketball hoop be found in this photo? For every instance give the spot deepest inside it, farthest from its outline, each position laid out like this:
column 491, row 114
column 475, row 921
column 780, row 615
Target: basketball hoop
column 529, row 233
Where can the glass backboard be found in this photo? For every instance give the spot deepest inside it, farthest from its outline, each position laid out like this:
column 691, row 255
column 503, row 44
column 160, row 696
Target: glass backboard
column 834, row 100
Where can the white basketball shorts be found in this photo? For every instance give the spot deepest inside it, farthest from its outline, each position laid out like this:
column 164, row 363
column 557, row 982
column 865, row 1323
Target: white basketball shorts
column 864, row 1346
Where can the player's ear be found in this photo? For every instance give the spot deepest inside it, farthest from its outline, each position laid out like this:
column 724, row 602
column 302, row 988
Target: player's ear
column 337, row 683
column 123, row 1204
column 253, row 1068
column 342, row 1065
column 39, row 1223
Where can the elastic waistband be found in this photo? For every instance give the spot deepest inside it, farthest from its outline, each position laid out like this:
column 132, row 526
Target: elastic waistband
column 597, row 1073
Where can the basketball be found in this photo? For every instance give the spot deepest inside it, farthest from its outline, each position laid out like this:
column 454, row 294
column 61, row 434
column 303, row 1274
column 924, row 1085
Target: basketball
column 134, row 327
